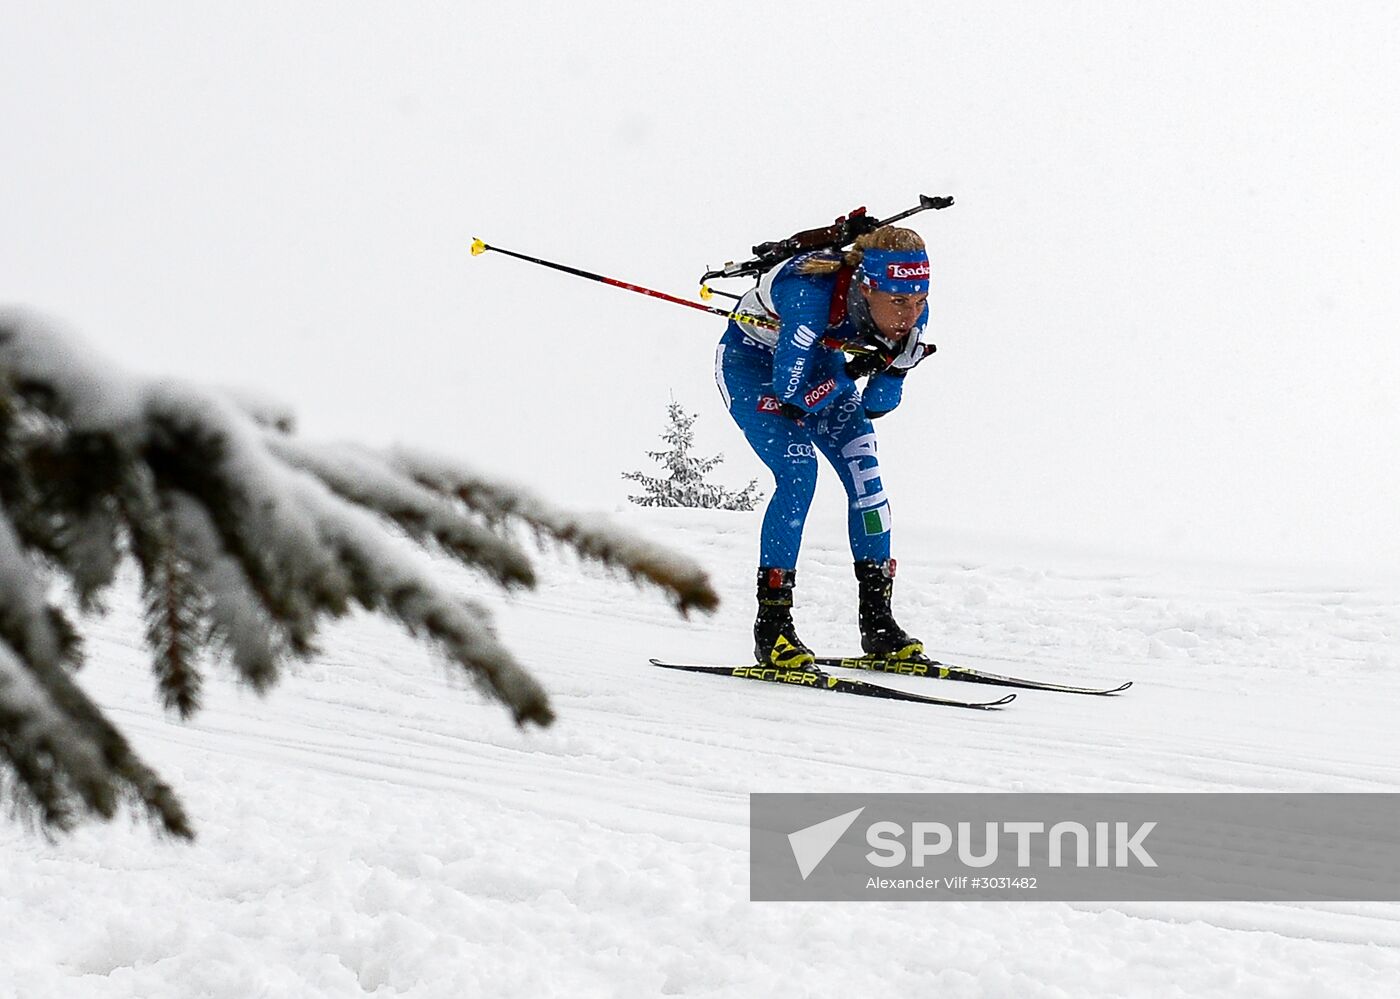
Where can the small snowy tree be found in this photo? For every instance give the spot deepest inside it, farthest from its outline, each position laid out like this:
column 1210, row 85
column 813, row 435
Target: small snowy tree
column 685, row 484
column 245, row 540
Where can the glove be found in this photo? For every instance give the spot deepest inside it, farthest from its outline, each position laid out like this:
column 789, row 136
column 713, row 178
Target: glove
column 867, row 364
column 875, row 414
column 793, row 412
column 874, row 356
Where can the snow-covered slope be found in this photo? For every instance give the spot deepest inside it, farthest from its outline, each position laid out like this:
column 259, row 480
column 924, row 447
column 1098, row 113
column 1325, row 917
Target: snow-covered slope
column 374, row 828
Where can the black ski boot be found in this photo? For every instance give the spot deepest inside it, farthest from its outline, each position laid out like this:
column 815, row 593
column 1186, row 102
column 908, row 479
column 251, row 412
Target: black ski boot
column 775, row 641
column 879, row 634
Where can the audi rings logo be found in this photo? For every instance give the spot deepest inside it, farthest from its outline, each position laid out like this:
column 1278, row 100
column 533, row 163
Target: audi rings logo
column 801, row 451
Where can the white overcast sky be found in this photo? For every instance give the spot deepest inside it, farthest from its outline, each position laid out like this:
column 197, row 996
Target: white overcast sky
column 1166, row 300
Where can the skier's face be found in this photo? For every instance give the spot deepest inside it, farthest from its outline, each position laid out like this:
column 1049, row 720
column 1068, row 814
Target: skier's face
column 894, row 314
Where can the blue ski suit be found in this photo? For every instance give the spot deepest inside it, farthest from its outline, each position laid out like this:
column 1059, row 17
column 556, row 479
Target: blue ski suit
column 760, row 369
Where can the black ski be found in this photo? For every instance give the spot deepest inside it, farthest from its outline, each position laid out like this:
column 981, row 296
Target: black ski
column 943, row 671
column 818, row 680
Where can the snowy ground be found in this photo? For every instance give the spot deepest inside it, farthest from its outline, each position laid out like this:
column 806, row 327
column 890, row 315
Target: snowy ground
column 376, row 829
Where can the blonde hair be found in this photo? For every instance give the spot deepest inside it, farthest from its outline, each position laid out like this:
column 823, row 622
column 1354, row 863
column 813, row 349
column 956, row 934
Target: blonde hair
column 889, row 237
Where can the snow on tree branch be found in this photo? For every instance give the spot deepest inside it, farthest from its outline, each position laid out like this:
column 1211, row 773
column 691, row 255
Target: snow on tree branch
column 365, row 478
column 245, row 540
column 592, row 537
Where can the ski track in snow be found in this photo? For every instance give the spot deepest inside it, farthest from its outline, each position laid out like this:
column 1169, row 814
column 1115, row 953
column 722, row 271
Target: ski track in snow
column 375, row 828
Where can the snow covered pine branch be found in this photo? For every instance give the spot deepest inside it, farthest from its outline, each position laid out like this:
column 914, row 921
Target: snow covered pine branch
column 245, row 540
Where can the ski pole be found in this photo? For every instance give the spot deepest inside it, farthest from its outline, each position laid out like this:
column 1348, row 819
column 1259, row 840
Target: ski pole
column 479, row 247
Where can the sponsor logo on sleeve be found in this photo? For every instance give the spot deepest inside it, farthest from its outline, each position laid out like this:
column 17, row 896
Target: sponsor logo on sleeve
column 798, row 367
column 768, row 404
column 819, row 393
